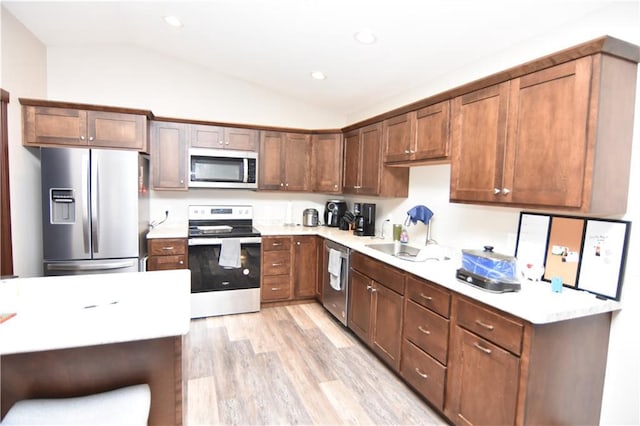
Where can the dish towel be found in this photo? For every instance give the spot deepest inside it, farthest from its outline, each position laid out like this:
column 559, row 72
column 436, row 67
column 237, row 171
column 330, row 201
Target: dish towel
column 335, row 269
column 420, row 213
column 229, row 253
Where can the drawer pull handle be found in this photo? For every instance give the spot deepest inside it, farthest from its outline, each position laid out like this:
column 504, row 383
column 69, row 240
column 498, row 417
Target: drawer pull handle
column 423, row 330
column 276, row 244
column 484, row 325
column 225, row 283
column 421, row 374
column 275, row 288
column 483, row 349
column 276, row 264
column 425, row 297
column 167, row 248
column 369, row 287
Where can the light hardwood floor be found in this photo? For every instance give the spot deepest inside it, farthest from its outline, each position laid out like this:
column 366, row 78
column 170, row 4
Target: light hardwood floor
column 291, row 365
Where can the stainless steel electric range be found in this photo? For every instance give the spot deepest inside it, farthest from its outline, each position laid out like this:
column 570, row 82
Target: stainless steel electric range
column 224, row 259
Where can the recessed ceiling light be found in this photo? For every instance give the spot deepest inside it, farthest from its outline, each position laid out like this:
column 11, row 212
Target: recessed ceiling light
column 365, row 37
column 318, row 75
column 172, row 20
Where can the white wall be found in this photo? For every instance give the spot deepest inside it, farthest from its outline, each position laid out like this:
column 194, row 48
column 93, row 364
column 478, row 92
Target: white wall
column 23, row 75
column 128, row 76
column 133, row 77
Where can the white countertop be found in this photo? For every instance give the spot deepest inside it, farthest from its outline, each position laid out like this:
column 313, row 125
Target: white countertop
column 169, row 230
column 86, row 310
column 535, row 302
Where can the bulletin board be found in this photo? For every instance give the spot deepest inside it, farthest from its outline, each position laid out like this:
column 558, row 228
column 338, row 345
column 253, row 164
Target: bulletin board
column 586, row 253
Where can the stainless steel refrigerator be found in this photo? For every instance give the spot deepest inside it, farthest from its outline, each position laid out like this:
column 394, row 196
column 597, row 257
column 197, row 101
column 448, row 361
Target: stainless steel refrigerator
column 95, row 210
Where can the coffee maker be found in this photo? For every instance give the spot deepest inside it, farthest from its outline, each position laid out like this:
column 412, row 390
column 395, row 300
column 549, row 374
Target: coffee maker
column 334, row 210
column 365, row 219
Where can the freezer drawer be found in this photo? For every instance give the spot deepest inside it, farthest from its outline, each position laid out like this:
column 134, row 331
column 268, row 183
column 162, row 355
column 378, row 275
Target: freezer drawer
column 85, row 267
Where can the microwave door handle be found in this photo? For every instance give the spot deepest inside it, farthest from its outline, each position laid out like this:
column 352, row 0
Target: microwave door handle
column 245, row 162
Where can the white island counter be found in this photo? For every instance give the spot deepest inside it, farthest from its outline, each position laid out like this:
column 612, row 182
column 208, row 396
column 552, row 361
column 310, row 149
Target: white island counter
column 85, row 334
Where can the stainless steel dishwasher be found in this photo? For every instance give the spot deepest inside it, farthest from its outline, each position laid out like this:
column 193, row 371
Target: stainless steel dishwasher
column 335, row 294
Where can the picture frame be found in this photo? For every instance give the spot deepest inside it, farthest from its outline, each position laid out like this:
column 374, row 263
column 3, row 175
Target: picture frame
column 587, row 254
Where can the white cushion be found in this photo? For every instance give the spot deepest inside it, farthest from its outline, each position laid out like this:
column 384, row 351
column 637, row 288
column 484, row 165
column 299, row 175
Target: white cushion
column 124, row 406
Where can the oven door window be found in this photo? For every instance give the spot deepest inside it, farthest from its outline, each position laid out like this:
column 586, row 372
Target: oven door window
column 207, row 275
column 217, row 169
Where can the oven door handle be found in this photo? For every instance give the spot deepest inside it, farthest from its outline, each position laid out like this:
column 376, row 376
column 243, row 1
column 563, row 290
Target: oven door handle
column 218, row 241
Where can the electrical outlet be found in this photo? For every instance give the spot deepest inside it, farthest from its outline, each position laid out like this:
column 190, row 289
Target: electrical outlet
column 390, row 217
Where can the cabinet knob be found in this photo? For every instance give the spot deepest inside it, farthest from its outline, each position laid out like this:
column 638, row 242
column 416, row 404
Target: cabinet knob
column 91, row 138
column 226, row 143
column 369, row 287
column 181, row 262
column 373, row 289
column 483, row 349
column 221, row 142
column 298, row 242
column 181, row 180
column 281, row 184
column 81, row 138
column 286, row 184
column 421, row 374
column 506, row 191
column 406, row 151
column 496, row 191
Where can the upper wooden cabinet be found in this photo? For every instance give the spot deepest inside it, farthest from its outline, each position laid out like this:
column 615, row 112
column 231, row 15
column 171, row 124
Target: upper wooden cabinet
column 326, row 163
column 205, row 136
column 169, row 156
column 559, row 137
column 363, row 170
column 417, row 137
column 284, row 161
column 45, row 125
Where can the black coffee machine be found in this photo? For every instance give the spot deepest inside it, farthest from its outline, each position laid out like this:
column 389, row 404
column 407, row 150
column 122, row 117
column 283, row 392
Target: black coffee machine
column 334, row 211
column 365, row 219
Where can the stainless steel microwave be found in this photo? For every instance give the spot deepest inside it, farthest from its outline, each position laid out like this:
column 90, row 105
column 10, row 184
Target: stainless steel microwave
column 222, row 168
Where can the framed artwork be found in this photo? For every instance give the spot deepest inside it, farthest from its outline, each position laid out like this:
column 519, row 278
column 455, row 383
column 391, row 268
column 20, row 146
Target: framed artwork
column 585, row 253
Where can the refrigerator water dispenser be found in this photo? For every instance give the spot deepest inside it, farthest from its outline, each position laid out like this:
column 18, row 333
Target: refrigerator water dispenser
column 63, row 206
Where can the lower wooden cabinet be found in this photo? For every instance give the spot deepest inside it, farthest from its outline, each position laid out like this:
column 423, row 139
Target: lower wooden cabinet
column 289, row 268
column 376, row 306
column 167, row 253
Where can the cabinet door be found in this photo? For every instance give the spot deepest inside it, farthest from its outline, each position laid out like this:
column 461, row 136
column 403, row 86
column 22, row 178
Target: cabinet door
column 241, row 139
column 432, row 132
column 483, row 382
column 305, row 261
column 547, row 148
column 398, row 137
column 351, row 164
column 56, row 126
column 326, row 162
column 370, row 160
column 168, row 156
column 203, row 136
column 387, row 324
column 271, row 167
column 479, row 130
column 360, row 304
column 114, row 130
column 297, row 162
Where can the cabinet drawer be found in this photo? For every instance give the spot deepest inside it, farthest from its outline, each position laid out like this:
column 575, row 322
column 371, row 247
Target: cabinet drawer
column 276, row 263
column 427, row 330
column 275, row 288
column 429, row 295
column 167, row 246
column 276, row 243
column 424, row 373
column 161, row 263
column 491, row 325
column 388, row 276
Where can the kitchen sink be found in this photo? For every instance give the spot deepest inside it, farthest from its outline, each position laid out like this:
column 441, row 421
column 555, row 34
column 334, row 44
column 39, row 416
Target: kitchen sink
column 388, row 248
column 412, row 254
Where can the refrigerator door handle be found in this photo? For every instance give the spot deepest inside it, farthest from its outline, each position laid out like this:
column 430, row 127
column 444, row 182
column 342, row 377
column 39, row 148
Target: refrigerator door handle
column 95, row 188
column 86, row 231
column 88, row 267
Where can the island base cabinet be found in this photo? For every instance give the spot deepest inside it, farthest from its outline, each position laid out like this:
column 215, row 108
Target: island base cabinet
column 66, row 373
